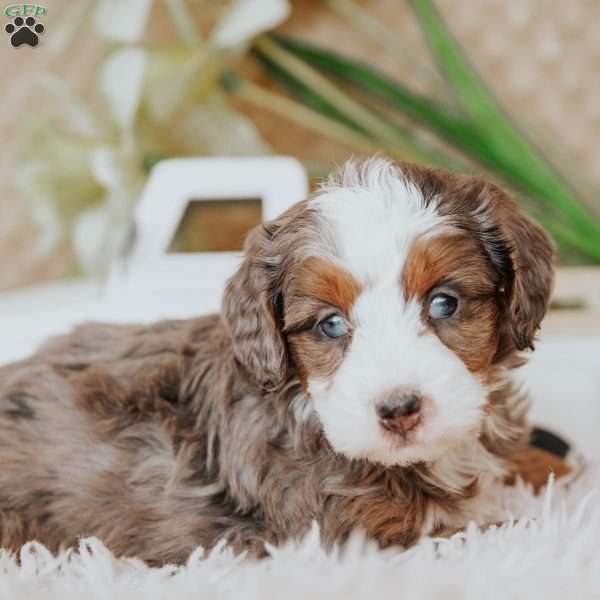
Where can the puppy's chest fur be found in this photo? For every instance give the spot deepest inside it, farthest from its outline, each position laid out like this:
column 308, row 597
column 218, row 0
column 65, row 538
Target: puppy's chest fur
column 151, row 439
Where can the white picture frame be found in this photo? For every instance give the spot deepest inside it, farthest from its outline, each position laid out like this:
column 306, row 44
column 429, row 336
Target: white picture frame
column 150, row 271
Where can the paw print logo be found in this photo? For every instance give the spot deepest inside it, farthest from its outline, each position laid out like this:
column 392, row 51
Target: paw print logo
column 24, row 31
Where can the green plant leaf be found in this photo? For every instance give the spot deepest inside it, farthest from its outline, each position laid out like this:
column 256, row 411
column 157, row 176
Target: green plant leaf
column 444, row 121
column 531, row 170
column 365, row 23
column 305, row 94
column 296, row 112
column 323, row 95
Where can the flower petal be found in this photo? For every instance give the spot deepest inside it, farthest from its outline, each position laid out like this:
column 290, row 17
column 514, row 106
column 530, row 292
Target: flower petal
column 214, row 128
column 121, row 81
column 246, row 19
column 176, row 77
column 89, row 238
column 105, row 167
column 122, row 20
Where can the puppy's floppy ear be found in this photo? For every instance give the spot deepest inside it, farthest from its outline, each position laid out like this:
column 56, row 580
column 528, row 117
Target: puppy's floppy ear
column 251, row 304
column 524, row 256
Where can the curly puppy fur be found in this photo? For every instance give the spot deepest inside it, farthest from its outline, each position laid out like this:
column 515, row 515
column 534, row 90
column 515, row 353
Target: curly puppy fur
column 250, row 425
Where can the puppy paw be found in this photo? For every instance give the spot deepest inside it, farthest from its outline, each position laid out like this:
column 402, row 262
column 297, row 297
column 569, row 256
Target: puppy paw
column 534, row 466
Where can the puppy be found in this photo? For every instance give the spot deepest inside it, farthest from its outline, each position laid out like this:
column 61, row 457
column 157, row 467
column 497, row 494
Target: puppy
column 359, row 376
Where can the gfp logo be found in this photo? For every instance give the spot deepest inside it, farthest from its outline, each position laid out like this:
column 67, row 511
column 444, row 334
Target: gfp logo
column 24, row 29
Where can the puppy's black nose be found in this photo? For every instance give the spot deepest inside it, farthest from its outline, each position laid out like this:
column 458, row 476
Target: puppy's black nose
column 400, row 411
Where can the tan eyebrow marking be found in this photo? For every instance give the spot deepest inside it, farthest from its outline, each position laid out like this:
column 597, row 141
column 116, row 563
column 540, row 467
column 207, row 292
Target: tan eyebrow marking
column 431, row 261
column 327, row 282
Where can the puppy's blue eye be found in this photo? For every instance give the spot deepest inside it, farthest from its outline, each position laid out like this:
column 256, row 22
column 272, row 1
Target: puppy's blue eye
column 334, row 326
column 442, row 306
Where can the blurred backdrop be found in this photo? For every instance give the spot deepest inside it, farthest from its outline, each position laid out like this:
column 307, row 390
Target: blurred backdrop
column 506, row 88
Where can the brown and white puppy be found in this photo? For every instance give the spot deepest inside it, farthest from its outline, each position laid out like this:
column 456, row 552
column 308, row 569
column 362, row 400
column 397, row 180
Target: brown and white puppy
column 358, row 376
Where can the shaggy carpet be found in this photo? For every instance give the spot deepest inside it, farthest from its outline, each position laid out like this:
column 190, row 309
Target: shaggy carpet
column 549, row 547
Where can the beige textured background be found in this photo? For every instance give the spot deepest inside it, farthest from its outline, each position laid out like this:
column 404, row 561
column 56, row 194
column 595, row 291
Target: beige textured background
column 542, row 59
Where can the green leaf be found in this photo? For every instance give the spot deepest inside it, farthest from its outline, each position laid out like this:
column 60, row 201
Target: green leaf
column 325, row 96
column 530, row 168
column 305, row 94
column 361, row 76
column 296, row 112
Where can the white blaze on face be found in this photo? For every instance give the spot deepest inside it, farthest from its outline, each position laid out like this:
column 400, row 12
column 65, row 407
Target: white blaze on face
column 374, row 218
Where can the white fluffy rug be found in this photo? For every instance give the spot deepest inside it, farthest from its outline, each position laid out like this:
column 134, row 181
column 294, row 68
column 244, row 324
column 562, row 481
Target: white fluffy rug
column 549, row 548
